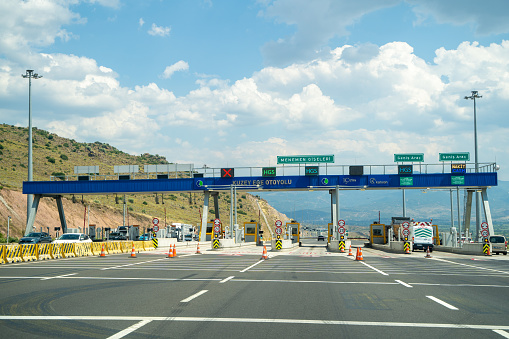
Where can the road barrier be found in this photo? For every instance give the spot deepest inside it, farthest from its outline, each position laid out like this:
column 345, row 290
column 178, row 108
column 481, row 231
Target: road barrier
column 19, row 253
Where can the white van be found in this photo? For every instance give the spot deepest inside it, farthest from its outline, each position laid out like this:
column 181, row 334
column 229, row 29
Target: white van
column 498, row 244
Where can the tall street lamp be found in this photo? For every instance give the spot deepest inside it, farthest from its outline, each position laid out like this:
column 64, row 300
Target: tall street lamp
column 30, row 74
column 475, row 95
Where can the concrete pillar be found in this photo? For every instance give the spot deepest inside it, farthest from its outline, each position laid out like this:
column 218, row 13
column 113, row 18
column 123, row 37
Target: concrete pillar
column 205, row 216
column 61, row 214
column 32, row 212
column 487, row 211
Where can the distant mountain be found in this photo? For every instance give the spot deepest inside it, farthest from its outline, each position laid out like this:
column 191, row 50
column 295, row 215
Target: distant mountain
column 363, row 207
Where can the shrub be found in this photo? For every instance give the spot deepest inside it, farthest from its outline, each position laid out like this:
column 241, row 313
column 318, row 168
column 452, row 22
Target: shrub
column 51, row 160
column 145, row 203
column 131, row 201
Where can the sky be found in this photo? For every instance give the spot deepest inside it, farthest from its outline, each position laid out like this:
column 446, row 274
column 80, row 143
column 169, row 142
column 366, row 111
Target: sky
column 238, row 83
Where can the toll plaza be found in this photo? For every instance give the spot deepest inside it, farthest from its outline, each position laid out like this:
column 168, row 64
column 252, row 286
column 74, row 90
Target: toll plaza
column 332, row 178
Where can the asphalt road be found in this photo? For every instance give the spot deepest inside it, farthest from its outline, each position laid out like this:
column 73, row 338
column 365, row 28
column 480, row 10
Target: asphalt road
column 305, row 292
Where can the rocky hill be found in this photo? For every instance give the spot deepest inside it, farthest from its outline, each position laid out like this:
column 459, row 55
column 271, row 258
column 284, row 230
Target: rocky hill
column 57, row 156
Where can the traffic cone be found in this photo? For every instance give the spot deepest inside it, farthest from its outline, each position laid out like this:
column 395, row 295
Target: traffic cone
column 342, row 250
column 264, row 254
column 133, row 253
column 198, row 249
column 489, row 252
column 359, row 254
column 174, row 251
column 170, row 253
column 350, row 254
column 407, row 251
column 427, row 253
column 103, row 253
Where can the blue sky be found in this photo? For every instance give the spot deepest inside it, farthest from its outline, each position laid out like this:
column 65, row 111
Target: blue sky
column 241, row 82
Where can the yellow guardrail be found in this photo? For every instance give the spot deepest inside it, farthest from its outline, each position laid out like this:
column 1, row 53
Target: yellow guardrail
column 18, row 253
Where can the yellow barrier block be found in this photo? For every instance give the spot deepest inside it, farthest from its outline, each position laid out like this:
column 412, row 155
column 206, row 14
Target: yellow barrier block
column 55, row 251
column 29, row 252
column 13, row 253
column 44, row 251
column 67, row 250
column 96, row 247
column 82, row 250
column 3, row 252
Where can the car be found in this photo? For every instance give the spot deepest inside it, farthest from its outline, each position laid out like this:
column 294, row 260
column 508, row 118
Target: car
column 321, row 237
column 116, row 236
column 144, row 237
column 36, row 238
column 188, row 237
column 72, row 238
column 498, row 244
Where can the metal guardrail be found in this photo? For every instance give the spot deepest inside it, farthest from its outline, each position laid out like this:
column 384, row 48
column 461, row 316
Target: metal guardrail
column 288, row 170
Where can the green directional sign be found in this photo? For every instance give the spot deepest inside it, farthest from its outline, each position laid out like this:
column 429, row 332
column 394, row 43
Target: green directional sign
column 305, row 159
column 457, row 180
column 406, row 181
column 461, row 156
column 409, row 157
column 268, row 172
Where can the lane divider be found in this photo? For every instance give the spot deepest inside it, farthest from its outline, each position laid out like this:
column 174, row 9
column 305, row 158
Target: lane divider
column 194, row 296
column 441, row 302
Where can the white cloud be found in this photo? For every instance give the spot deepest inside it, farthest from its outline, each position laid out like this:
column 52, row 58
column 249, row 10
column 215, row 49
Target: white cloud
column 176, row 67
column 159, row 30
column 141, row 22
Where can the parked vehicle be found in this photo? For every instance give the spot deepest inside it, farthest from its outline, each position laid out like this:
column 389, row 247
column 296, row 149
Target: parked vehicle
column 498, row 244
column 72, row 238
column 321, row 237
column 36, row 238
column 422, row 236
column 145, row 236
column 116, row 236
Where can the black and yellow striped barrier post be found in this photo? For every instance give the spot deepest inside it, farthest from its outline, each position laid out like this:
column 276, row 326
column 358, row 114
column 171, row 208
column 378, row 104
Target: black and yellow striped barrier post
column 155, row 242
column 486, row 248
column 279, row 243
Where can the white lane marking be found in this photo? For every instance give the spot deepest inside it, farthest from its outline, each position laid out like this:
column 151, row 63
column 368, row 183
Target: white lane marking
column 502, row 333
column 373, row 268
column 481, row 268
column 226, row 279
column 403, row 283
column 138, row 263
column 317, row 281
column 245, row 269
column 441, row 302
column 459, row 285
column 129, row 330
column 60, row 276
column 262, row 320
column 113, row 278
column 196, row 295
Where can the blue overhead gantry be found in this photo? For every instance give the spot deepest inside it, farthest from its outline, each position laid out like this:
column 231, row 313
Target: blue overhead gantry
column 283, row 178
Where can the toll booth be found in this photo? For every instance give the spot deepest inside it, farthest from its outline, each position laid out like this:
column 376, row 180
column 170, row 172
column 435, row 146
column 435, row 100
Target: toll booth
column 295, row 233
column 208, row 232
column 329, row 232
column 436, row 236
column 378, row 235
column 91, row 231
column 250, row 232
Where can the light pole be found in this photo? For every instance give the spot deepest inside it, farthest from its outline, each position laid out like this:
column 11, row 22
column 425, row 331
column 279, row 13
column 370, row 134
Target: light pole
column 475, row 95
column 30, row 74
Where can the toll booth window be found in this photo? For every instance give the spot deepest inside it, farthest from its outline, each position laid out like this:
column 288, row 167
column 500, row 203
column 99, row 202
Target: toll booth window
column 377, row 232
column 295, row 230
column 209, row 229
column 250, row 229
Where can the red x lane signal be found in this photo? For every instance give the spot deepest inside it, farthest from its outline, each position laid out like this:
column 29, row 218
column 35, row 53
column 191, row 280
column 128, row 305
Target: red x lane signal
column 227, row 173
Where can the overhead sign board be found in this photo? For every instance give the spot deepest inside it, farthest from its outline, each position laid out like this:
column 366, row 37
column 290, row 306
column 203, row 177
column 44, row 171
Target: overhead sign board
column 406, row 181
column 460, row 156
column 311, row 170
column 305, row 159
column 227, row 172
column 268, row 172
column 457, row 180
column 405, row 169
column 458, row 168
column 409, row 157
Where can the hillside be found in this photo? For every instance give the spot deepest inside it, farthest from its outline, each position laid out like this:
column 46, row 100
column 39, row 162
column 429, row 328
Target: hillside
column 54, row 155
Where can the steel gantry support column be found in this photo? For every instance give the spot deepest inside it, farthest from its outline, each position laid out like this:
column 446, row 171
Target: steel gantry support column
column 335, row 211
column 468, row 213
column 32, row 212
column 61, row 214
column 205, row 216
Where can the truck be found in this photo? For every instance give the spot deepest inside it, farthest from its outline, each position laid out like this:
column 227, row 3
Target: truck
column 422, row 236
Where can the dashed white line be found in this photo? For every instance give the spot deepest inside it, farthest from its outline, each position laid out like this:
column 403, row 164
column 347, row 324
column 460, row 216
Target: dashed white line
column 373, row 268
column 138, row 263
column 60, row 276
column 441, row 302
column 403, row 283
column 196, row 295
column 226, row 279
column 245, row 269
column 129, row 330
